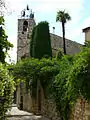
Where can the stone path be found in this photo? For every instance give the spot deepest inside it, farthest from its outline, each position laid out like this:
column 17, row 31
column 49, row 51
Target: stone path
column 16, row 114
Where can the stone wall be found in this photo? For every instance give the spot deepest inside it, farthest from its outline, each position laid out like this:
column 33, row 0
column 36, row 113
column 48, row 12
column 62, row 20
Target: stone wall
column 23, row 37
column 72, row 47
column 87, row 33
column 23, row 45
column 81, row 110
column 26, row 98
column 28, row 103
column 49, row 109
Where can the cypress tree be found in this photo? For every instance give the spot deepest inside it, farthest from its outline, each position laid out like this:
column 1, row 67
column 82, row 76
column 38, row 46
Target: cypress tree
column 32, row 41
column 41, row 44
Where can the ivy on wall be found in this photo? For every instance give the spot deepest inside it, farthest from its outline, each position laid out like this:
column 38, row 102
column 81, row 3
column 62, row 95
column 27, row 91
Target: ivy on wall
column 65, row 78
column 72, row 82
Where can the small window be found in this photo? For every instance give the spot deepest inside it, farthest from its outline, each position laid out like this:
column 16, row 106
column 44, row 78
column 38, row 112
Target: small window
column 25, row 26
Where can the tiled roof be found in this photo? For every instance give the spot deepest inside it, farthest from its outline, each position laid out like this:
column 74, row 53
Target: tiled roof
column 85, row 29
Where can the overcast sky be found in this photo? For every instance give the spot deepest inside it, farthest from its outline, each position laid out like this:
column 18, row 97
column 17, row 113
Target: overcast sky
column 79, row 11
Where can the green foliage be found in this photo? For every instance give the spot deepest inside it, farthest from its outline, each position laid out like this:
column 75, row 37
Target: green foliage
column 34, row 70
column 40, row 41
column 4, row 44
column 73, row 81
column 80, row 73
column 6, row 90
column 32, row 42
column 59, row 54
column 64, row 79
column 59, row 89
column 87, row 44
column 62, row 16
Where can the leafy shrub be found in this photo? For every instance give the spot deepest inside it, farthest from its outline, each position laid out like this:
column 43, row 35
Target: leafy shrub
column 6, row 90
column 34, row 71
column 65, row 79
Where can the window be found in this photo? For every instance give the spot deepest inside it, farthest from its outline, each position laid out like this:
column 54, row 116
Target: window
column 25, row 26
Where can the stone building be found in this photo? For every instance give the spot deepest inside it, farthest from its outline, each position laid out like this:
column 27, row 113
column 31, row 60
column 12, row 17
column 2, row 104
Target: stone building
column 26, row 23
column 25, row 26
column 87, row 33
column 72, row 47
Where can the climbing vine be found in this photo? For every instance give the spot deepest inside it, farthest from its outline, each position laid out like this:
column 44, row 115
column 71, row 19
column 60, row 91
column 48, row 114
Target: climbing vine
column 72, row 82
column 35, row 71
column 65, row 78
column 59, row 88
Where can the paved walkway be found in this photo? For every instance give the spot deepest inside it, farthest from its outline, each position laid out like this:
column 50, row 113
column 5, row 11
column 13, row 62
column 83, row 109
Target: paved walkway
column 16, row 114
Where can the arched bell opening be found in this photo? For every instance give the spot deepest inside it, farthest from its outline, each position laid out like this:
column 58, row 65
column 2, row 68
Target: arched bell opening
column 25, row 26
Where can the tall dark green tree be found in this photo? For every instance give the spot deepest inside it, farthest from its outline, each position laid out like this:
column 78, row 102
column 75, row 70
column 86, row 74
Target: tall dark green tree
column 5, row 45
column 63, row 17
column 40, row 42
column 32, row 41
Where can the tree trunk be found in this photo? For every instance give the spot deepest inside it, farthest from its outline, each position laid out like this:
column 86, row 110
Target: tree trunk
column 63, row 31
column 38, row 97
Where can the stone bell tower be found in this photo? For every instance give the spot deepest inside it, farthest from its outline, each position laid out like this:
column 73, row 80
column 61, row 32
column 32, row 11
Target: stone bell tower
column 26, row 23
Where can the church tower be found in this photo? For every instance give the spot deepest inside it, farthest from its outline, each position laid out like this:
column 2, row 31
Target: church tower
column 26, row 23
